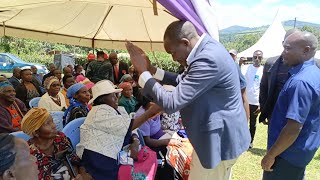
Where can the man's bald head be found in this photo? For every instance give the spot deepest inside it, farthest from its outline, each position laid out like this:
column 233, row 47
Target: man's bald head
column 299, row 47
column 179, row 39
column 16, row 72
column 52, row 67
column 67, row 71
column 113, row 57
column 180, row 29
column 291, row 31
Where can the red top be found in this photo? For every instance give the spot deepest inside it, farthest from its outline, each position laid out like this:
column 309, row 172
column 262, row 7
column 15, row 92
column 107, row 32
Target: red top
column 16, row 118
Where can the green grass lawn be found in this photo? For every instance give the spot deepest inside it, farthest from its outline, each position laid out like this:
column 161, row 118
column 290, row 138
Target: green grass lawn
column 248, row 165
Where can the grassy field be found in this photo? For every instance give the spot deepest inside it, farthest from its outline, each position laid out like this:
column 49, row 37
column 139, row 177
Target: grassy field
column 248, row 165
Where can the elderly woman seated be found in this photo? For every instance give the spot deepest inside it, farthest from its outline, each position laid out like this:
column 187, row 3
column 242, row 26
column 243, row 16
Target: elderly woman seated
column 51, row 148
column 53, row 100
column 15, row 159
column 79, row 96
column 12, row 109
column 127, row 100
column 106, row 130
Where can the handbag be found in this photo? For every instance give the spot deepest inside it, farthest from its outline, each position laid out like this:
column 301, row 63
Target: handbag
column 143, row 169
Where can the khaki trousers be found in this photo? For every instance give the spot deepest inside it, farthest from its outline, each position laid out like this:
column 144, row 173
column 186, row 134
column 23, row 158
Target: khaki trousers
column 220, row 172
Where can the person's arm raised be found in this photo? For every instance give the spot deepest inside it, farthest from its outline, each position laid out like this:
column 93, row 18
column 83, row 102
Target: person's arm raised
column 151, row 112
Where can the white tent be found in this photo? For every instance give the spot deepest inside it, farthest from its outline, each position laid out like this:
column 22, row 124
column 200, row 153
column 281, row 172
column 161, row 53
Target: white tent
column 90, row 23
column 317, row 54
column 270, row 43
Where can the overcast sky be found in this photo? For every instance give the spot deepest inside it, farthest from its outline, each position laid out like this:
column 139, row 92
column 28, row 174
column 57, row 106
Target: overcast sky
column 254, row 13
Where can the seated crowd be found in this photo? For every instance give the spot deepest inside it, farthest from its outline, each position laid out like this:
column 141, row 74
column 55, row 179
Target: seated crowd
column 114, row 110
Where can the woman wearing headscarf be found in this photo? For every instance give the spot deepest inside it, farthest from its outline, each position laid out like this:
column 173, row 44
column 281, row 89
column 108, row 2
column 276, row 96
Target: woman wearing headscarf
column 106, row 131
column 12, row 109
column 27, row 90
column 127, row 100
column 53, row 100
column 78, row 96
column 50, row 147
column 16, row 162
column 126, row 78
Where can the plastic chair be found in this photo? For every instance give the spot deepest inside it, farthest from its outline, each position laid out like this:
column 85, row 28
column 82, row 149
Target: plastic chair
column 34, row 102
column 22, row 135
column 72, row 131
column 57, row 117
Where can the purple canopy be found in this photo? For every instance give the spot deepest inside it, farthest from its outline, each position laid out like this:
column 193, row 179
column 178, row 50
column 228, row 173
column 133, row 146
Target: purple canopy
column 184, row 10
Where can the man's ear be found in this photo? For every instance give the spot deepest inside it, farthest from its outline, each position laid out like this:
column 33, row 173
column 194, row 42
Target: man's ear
column 185, row 41
column 306, row 49
column 8, row 175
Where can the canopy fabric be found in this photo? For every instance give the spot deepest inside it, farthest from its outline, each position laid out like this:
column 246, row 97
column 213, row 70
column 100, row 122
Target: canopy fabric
column 317, row 54
column 270, row 43
column 90, row 23
column 198, row 12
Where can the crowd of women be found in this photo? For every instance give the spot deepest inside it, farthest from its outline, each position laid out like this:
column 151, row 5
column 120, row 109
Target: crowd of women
column 109, row 141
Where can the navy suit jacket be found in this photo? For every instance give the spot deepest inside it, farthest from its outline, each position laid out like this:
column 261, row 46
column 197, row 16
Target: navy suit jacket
column 14, row 81
column 208, row 96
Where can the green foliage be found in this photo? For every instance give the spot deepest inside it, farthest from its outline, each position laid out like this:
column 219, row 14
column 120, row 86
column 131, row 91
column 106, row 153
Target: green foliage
column 239, row 42
column 160, row 59
column 37, row 51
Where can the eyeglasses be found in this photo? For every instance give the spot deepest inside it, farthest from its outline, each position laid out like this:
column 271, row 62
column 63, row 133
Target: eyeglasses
column 257, row 57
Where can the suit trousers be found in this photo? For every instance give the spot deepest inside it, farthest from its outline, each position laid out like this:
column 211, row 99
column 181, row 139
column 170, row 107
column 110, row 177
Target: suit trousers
column 253, row 120
column 220, row 172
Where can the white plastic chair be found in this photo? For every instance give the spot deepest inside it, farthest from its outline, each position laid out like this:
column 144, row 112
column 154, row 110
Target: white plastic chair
column 22, row 135
column 34, row 102
column 72, row 130
column 58, row 119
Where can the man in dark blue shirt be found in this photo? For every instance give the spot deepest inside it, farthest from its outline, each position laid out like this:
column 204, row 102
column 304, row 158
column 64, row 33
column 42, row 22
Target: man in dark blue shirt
column 294, row 131
column 275, row 75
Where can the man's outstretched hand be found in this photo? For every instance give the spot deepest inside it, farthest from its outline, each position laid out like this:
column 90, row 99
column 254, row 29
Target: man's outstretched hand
column 138, row 58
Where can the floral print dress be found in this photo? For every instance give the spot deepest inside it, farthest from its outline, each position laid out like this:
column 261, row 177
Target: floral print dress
column 50, row 165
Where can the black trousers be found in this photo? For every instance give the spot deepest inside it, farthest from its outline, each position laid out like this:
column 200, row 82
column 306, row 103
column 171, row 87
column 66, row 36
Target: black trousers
column 167, row 172
column 253, row 120
column 283, row 170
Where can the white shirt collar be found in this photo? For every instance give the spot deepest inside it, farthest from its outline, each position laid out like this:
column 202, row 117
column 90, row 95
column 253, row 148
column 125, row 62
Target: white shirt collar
column 194, row 49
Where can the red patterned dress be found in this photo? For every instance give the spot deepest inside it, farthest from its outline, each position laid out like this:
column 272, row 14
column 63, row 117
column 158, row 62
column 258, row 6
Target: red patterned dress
column 49, row 164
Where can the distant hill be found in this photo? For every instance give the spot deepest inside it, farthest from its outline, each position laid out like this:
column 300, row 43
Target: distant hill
column 287, row 25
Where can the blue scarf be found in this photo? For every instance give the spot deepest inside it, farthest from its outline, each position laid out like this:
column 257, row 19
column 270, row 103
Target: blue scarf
column 73, row 104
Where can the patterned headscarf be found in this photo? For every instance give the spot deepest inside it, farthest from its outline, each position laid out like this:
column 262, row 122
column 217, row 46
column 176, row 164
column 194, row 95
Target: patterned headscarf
column 85, row 81
column 4, row 84
column 47, row 83
column 7, row 157
column 125, row 85
column 33, row 120
column 125, row 77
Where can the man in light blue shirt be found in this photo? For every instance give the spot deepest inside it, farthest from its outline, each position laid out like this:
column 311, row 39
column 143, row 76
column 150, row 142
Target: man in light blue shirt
column 294, row 132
